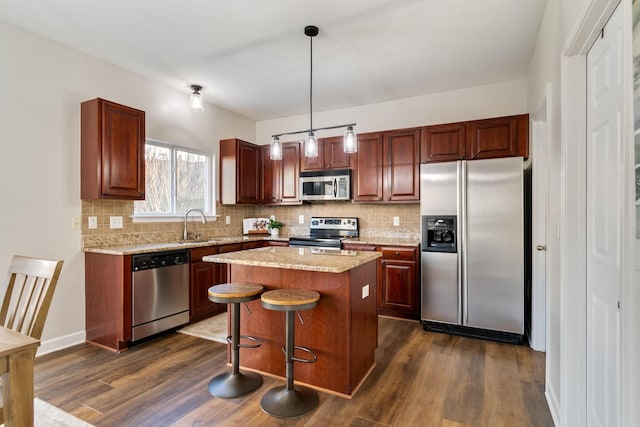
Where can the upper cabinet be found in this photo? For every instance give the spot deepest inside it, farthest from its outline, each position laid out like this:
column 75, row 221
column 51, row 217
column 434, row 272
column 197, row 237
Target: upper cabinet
column 478, row 139
column 500, row 137
column 443, row 143
column 279, row 182
column 386, row 167
column 239, row 172
column 331, row 155
column 112, row 151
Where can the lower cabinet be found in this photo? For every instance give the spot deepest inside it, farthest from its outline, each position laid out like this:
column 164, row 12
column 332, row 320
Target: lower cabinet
column 203, row 275
column 398, row 287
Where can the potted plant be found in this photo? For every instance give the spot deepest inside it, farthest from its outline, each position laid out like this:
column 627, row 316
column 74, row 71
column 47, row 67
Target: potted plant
column 274, row 227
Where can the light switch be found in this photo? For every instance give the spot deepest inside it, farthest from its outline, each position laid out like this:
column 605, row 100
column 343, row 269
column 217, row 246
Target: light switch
column 75, row 223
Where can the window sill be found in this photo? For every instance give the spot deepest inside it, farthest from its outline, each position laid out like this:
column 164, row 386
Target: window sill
column 169, row 218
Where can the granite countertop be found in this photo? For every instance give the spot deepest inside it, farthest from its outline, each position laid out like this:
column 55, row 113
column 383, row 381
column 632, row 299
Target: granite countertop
column 142, row 248
column 176, row 245
column 309, row 259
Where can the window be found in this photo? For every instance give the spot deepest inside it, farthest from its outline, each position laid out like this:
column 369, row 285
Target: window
column 177, row 179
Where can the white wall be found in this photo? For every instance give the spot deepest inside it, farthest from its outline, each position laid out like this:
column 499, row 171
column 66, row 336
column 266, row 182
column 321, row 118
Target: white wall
column 41, row 86
column 496, row 100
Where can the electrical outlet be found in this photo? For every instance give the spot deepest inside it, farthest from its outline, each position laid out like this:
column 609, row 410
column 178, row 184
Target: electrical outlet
column 93, row 222
column 396, row 221
column 300, row 219
column 365, row 291
column 115, row 222
column 227, row 219
column 75, row 223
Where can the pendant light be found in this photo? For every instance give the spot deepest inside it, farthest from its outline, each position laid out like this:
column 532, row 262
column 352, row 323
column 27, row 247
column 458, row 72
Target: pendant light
column 196, row 101
column 350, row 143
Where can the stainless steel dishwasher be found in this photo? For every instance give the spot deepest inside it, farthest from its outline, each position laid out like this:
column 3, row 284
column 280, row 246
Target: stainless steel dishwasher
column 159, row 292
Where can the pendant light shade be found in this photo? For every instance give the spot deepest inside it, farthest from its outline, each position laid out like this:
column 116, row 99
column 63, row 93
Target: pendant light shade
column 350, row 142
column 311, row 143
column 196, row 101
column 275, row 151
column 311, row 146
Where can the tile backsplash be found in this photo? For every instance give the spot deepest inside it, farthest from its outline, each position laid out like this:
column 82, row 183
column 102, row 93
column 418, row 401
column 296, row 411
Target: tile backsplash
column 376, row 220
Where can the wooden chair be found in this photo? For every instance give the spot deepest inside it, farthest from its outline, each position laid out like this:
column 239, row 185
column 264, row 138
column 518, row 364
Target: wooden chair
column 28, row 291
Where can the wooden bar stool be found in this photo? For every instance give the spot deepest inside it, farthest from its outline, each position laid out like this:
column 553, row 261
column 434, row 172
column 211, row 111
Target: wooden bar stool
column 235, row 383
column 289, row 401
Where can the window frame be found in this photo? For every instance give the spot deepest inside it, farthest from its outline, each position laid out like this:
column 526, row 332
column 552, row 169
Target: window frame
column 210, row 196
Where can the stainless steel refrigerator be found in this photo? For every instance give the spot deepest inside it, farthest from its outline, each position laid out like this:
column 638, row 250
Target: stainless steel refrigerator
column 472, row 257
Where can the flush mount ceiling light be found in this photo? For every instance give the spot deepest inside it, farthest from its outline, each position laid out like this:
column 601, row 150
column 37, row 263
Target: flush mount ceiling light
column 350, row 142
column 196, row 101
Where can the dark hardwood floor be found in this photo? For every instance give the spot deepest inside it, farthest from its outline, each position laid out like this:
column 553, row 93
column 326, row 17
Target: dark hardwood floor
column 420, row 379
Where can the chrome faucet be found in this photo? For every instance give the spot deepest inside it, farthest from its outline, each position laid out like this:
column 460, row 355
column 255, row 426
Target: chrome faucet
column 185, row 235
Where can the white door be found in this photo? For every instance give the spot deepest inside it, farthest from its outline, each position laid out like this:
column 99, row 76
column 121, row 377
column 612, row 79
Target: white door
column 539, row 171
column 605, row 188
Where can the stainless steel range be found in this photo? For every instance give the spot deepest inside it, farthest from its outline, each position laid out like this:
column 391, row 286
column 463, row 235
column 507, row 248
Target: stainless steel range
column 327, row 232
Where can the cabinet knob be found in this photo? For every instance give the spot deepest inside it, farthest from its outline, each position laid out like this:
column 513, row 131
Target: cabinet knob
column 381, row 261
column 397, row 253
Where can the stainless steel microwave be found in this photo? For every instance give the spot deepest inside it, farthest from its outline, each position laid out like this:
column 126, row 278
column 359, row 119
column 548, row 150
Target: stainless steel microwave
column 333, row 184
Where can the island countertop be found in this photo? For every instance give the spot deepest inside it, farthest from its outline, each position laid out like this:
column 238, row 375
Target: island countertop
column 309, row 259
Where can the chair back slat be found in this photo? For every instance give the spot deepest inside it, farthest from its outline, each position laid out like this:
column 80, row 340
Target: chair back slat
column 28, row 291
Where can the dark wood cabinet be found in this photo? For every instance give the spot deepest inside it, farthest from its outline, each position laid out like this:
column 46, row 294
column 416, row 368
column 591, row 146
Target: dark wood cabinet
column 387, row 167
column 499, row 137
column 402, row 168
column 478, row 139
column 331, row 155
column 398, row 290
column 239, row 172
column 107, row 290
column 398, row 279
column 203, row 275
column 112, row 151
column 367, row 168
column 279, row 179
column 443, row 143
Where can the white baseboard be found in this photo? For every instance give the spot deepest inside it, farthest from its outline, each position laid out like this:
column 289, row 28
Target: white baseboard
column 552, row 402
column 59, row 343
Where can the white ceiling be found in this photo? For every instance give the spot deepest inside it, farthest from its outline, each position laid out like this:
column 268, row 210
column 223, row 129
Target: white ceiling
column 252, row 56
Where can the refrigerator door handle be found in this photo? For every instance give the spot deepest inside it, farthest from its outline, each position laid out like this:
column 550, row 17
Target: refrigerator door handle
column 462, row 233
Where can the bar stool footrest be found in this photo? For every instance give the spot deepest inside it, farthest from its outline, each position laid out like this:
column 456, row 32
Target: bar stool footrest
column 257, row 341
column 282, row 403
column 298, row 359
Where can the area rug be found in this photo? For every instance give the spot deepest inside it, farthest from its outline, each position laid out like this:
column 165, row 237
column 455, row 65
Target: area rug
column 47, row 415
column 214, row 329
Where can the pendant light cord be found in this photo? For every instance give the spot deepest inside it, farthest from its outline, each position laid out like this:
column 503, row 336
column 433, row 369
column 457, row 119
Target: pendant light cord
column 311, row 85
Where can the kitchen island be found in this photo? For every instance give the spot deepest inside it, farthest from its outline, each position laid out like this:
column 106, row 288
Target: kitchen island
column 342, row 329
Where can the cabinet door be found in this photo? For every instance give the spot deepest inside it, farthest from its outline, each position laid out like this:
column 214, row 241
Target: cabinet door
column 270, row 176
column 203, row 276
column 311, row 163
column 499, row 137
column 247, row 174
column 397, row 292
column 442, row 143
column 112, row 151
column 289, row 184
column 402, row 168
column 334, row 155
column 367, row 164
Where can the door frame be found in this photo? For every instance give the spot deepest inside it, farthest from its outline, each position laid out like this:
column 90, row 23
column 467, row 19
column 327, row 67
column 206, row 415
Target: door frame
column 573, row 361
column 540, row 137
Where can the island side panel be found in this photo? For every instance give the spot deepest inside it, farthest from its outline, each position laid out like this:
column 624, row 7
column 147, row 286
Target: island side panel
column 325, row 330
column 364, row 321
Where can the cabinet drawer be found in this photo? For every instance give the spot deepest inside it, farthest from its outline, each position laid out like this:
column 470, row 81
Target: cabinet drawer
column 358, row 247
column 197, row 253
column 231, row 247
column 398, row 253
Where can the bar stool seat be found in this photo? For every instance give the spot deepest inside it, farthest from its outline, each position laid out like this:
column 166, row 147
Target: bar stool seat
column 235, row 383
column 289, row 401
